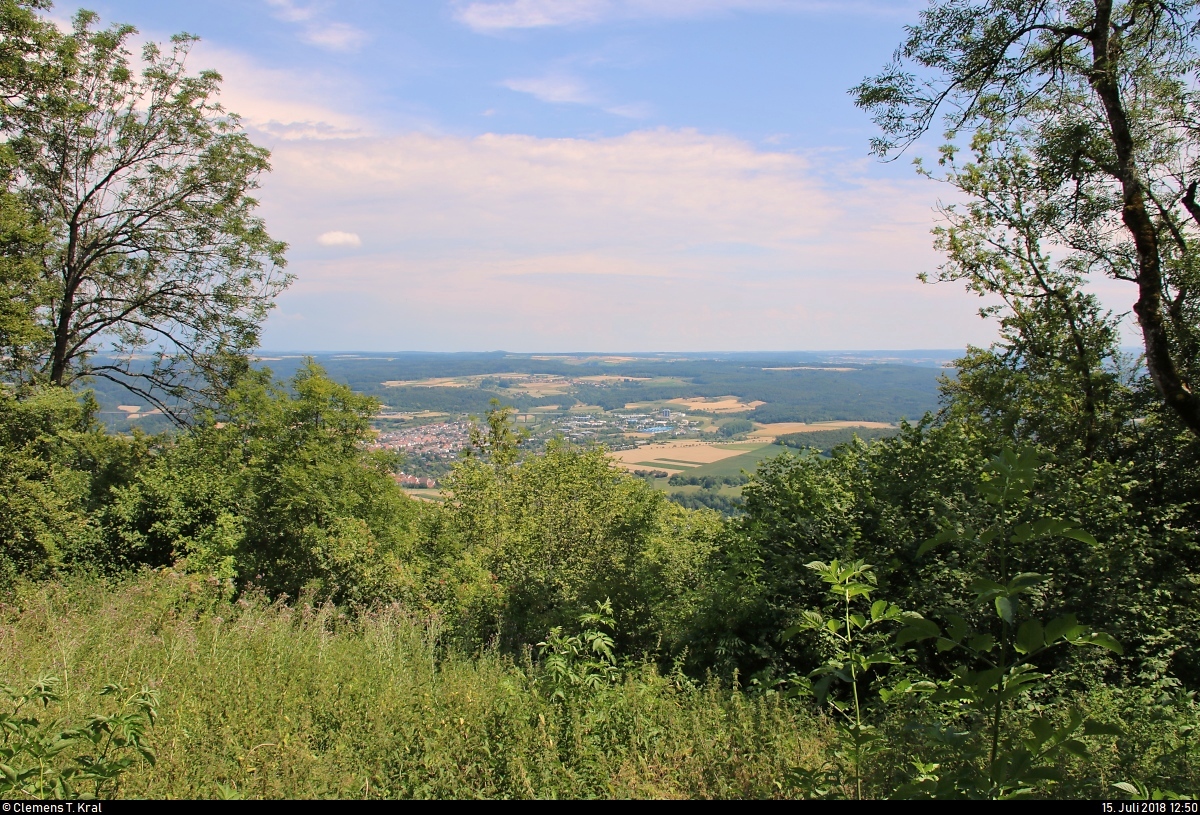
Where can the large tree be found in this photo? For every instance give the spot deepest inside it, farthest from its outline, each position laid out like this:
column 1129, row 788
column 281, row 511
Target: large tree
column 156, row 272
column 1085, row 120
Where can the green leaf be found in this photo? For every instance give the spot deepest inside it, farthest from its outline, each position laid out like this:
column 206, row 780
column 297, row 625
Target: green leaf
column 982, row 643
column 881, row 658
column 791, row 631
column 1043, row 730
column 878, row 609
column 1064, row 627
column 1024, row 581
column 937, row 540
column 1076, row 748
column 918, row 629
column 1030, row 637
column 1004, row 608
column 956, row 627
column 1022, row 533
column 1079, row 535
column 820, row 688
column 1101, row 640
column 985, row 589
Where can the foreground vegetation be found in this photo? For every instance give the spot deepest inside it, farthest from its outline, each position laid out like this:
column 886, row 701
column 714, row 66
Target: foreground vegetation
column 299, row 701
column 998, row 601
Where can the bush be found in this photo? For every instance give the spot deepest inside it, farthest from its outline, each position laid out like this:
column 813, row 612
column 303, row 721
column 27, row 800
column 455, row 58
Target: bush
column 521, row 548
column 57, row 471
column 280, row 493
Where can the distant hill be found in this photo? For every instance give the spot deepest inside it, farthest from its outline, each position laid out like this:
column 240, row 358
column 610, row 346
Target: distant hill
column 877, row 386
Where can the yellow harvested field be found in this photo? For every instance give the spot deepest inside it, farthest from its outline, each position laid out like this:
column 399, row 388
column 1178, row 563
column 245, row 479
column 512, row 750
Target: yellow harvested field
column 128, row 408
column 672, row 453
column 770, row 431
column 721, row 404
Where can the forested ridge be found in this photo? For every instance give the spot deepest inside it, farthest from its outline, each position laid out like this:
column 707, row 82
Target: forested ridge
column 1000, row 600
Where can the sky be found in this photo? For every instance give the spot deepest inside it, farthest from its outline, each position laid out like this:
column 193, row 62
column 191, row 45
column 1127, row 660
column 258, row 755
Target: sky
column 570, row 175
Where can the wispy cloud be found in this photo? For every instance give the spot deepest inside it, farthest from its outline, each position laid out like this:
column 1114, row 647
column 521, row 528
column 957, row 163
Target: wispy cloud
column 286, row 104
column 501, row 15
column 558, row 88
column 527, row 242
column 531, row 13
column 315, row 29
column 289, row 11
column 564, row 88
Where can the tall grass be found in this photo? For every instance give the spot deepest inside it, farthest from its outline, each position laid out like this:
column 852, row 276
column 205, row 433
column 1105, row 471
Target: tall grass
column 303, row 701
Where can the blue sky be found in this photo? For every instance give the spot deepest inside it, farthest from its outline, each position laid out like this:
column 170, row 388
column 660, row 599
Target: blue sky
column 552, row 175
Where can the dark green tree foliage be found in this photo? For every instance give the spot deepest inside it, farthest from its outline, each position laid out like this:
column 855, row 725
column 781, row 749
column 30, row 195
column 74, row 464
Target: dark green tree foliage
column 826, row 440
column 43, row 508
column 280, row 493
column 23, row 72
column 732, row 427
column 727, row 505
column 1084, row 121
column 57, row 472
column 525, row 546
column 879, row 502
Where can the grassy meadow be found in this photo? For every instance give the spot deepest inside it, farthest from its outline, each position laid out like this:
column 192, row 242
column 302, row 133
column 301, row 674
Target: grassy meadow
column 301, row 701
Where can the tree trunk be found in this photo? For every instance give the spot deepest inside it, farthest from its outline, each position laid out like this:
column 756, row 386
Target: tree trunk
column 1149, row 307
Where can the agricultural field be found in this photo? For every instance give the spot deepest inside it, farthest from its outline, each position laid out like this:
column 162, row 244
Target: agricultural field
column 720, row 404
column 678, row 455
column 746, row 457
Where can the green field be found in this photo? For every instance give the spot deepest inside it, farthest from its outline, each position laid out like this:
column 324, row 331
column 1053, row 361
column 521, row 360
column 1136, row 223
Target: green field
column 747, row 461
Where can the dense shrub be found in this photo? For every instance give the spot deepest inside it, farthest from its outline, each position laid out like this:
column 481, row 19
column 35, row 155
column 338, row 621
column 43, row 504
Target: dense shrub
column 279, row 493
column 57, row 469
column 523, row 547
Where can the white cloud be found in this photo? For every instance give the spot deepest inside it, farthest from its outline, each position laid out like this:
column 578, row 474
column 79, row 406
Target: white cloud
column 554, row 88
column 531, row 13
column 561, row 88
column 335, row 36
column 339, row 239
column 285, row 104
column 289, row 11
column 500, row 15
column 656, row 239
column 315, row 30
